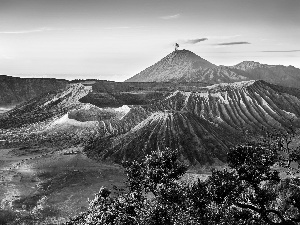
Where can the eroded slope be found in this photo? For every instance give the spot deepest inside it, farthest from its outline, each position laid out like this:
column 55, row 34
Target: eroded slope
column 211, row 119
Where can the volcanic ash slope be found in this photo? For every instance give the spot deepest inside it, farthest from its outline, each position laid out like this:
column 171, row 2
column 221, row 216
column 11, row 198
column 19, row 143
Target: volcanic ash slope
column 44, row 107
column 203, row 124
column 197, row 139
column 246, row 104
column 186, row 66
column 50, row 119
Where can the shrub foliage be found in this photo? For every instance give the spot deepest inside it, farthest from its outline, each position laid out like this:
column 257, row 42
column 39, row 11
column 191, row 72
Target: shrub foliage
column 250, row 191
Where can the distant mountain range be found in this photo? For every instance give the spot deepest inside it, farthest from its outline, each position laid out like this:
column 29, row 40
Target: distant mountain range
column 277, row 74
column 179, row 67
column 186, row 66
column 182, row 101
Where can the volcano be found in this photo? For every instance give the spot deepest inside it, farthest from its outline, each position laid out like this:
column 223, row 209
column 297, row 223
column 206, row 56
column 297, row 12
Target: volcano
column 202, row 124
column 185, row 66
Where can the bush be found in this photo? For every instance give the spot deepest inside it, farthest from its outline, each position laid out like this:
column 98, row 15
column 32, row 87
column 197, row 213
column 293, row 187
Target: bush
column 249, row 192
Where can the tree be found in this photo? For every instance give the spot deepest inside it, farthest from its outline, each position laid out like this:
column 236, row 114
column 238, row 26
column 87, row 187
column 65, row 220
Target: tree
column 253, row 185
column 249, row 192
column 155, row 176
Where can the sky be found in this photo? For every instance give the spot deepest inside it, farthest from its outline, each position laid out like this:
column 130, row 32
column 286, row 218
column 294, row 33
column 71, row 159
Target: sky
column 116, row 39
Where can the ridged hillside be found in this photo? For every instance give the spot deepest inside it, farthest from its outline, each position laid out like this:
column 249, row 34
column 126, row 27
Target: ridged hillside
column 44, row 107
column 203, row 122
column 211, row 119
column 248, row 104
column 197, row 140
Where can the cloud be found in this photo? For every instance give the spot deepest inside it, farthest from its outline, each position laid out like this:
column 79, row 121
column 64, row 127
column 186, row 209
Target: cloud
column 283, row 51
column 195, row 41
column 114, row 28
column 170, row 17
column 42, row 29
column 124, row 27
column 234, row 43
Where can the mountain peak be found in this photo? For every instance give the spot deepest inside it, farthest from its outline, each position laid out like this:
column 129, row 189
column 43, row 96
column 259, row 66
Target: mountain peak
column 189, row 56
column 176, row 65
column 185, row 66
column 184, row 52
column 248, row 65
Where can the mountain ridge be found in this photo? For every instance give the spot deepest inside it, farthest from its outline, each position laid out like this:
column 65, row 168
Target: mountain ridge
column 223, row 113
column 14, row 90
column 213, row 117
column 174, row 61
column 186, row 66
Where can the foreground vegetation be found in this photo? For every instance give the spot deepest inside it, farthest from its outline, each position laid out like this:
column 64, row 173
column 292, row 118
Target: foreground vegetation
column 250, row 191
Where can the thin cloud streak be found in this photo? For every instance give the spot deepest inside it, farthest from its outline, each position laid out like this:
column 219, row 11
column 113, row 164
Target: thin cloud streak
column 30, row 31
column 234, row 43
column 283, row 51
column 195, row 41
column 115, row 28
column 124, row 27
column 171, row 17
